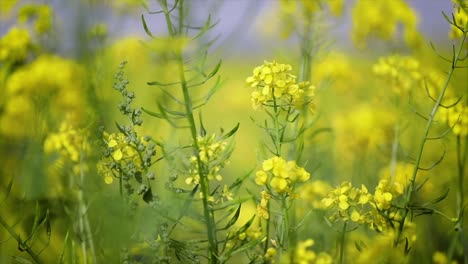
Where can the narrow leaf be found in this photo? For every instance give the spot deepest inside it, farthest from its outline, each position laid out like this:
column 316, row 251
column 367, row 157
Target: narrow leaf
column 232, row 132
column 145, row 26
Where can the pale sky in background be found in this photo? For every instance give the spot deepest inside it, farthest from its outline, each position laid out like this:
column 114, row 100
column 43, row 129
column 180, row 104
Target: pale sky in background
column 238, row 23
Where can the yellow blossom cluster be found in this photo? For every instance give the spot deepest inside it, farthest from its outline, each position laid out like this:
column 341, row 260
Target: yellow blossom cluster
column 313, row 193
column 460, row 14
column 381, row 19
column 456, row 117
column 378, row 248
column 70, row 143
column 212, row 153
column 403, row 73
column 15, row 46
column 348, row 203
column 275, row 86
column 121, row 152
column 263, row 207
column 441, row 258
column 336, row 70
column 298, row 14
column 41, row 93
column 244, row 234
column 362, row 129
column 42, row 14
column 280, row 175
column 303, row 254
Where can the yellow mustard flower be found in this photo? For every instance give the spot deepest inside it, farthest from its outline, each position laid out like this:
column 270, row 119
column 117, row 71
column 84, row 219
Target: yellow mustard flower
column 15, row 45
column 280, row 174
column 41, row 13
column 380, row 18
column 275, row 84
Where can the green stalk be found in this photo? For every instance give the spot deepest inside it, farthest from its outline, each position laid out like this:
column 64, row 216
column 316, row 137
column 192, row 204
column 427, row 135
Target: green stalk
column 276, row 123
column 342, row 242
column 205, row 188
column 21, row 244
column 430, row 120
column 461, row 160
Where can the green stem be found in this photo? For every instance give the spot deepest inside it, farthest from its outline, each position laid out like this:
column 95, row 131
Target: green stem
column 205, row 188
column 342, row 242
column 430, row 120
column 277, row 129
column 21, row 244
column 461, row 161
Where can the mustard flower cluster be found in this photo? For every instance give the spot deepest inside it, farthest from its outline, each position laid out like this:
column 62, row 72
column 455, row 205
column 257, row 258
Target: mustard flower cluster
column 42, row 14
column 378, row 247
column 263, row 208
column 362, row 129
column 125, row 158
column 303, row 254
column 460, row 13
column 70, row 143
column 402, row 72
column 275, row 85
column 280, row 175
column 313, row 193
column 298, row 14
column 15, row 46
column 441, row 258
column 213, row 156
column 336, row 69
column 247, row 233
column 348, row 203
column 381, row 19
column 41, row 93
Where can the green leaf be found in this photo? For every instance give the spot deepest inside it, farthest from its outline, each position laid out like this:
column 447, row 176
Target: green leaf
column 151, row 113
column 215, row 70
column 202, row 127
column 246, row 246
column 233, row 219
column 162, row 84
column 232, row 132
column 8, row 189
column 145, row 26
column 240, row 180
column 441, row 197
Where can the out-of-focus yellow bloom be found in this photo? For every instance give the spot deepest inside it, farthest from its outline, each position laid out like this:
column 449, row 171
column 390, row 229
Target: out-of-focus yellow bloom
column 403, row 73
column 41, row 13
column 6, row 6
column 460, row 12
column 273, row 82
column 456, row 118
column 362, row 130
column 314, row 192
column 303, row 254
column 15, row 45
column 42, row 93
column 280, row 174
column 98, row 30
column 380, row 18
column 298, row 14
column 441, row 258
column 337, row 69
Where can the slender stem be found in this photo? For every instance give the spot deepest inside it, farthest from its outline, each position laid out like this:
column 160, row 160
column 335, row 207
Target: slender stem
column 430, row 120
column 84, row 213
column 205, row 188
column 277, row 130
column 22, row 244
column 461, row 160
column 342, row 242
column 267, row 238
